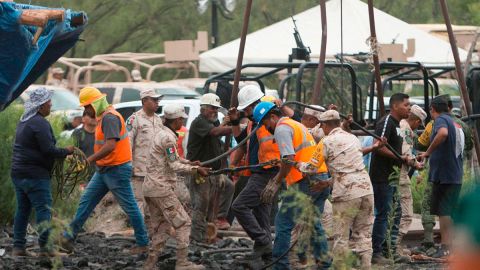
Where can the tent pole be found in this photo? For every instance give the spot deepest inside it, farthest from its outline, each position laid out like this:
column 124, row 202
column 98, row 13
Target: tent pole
column 376, row 64
column 460, row 75
column 321, row 64
column 243, row 37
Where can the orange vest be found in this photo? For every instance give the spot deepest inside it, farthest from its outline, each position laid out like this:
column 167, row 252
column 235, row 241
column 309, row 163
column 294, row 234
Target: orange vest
column 304, row 146
column 122, row 152
column 181, row 136
column 267, row 148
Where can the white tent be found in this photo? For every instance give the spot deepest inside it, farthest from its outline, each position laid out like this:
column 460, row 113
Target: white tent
column 274, row 43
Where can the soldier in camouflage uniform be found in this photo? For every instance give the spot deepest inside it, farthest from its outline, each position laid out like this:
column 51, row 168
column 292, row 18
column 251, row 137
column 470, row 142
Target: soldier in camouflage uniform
column 422, row 144
column 159, row 190
column 142, row 127
column 352, row 195
column 407, row 129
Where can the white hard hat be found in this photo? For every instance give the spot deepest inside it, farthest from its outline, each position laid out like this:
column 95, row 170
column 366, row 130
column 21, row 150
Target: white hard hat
column 210, row 99
column 136, row 75
column 248, row 95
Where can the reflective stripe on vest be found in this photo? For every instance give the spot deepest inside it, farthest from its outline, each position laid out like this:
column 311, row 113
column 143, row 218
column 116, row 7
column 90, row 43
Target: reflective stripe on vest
column 304, row 146
column 122, row 152
column 267, row 148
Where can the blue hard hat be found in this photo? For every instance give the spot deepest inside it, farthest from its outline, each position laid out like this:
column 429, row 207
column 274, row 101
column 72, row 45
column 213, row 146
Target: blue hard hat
column 261, row 110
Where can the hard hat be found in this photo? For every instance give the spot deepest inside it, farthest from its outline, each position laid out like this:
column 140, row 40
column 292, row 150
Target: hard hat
column 269, row 99
column 136, row 75
column 88, row 95
column 248, row 95
column 210, row 99
column 261, row 110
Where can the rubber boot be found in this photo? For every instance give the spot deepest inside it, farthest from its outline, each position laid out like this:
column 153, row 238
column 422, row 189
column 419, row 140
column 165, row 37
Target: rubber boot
column 151, row 261
column 183, row 263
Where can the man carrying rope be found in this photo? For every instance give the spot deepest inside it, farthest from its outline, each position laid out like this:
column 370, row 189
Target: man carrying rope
column 34, row 153
column 352, row 194
column 159, row 190
column 297, row 145
column 113, row 160
column 252, row 214
column 204, row 144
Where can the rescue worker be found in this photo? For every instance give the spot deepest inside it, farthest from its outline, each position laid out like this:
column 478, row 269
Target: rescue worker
column 34, row 153
column 352, row 195
column 165, row 208
column 57, row 78
column 422, row 144
column 204, row 144
column 253, row 214
column 142, row 126
column 112, row 156
column 311, row 120
column 296, row 144
column 408, row 129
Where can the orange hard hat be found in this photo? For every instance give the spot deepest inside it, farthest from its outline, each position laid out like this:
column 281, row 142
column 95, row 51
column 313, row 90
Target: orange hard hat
column 88, row 95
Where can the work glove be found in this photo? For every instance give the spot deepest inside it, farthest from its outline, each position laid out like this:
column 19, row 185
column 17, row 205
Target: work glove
column 270, row 190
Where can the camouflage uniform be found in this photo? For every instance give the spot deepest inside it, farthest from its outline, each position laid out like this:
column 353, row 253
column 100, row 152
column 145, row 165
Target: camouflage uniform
column 165, row 208
column 352, row 195
column 317, row 133
column 141, row 130
column 404, row 188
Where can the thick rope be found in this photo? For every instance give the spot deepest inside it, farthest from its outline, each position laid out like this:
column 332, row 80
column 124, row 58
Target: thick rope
column 68, row 173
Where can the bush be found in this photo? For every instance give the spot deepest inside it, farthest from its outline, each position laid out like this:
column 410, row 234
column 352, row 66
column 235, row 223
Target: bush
column 9, row 119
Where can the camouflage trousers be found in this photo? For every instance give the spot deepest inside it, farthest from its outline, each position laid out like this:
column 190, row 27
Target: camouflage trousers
column 137, row 185
column 406, row 203
column 167, row 213
column 428, row 220
column 355, row 215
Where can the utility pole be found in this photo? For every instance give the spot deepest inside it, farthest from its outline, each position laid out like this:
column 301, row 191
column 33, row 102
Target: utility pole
column 376, row 64
column 215, row 38
column 321, row 64
column 460, row 75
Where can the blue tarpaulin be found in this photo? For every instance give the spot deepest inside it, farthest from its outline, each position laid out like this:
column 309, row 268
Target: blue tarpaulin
column 21, row 61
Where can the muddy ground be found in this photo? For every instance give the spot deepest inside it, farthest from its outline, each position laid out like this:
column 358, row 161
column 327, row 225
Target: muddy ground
column 96, row 251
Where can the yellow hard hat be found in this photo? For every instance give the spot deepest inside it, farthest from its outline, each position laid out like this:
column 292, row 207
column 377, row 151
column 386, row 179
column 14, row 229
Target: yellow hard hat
column 268, row 99
column 88, row 95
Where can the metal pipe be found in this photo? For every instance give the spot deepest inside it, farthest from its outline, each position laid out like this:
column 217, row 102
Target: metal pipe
column 321, row 64
column 376, row 64
column 243, row 37
column 460, row 75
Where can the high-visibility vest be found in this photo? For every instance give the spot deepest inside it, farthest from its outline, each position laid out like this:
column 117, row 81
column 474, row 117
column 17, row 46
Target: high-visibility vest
column 181, row 136
column 267, row 148
column 304, row 146
column 122, row 152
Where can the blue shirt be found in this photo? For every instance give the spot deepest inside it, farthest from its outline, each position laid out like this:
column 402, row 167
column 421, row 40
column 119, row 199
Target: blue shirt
column 445, row 166
column 34, row 150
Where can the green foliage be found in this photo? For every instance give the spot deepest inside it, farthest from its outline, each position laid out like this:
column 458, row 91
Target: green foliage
column 306, row 217
column 8, row 119
column 393, row 180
